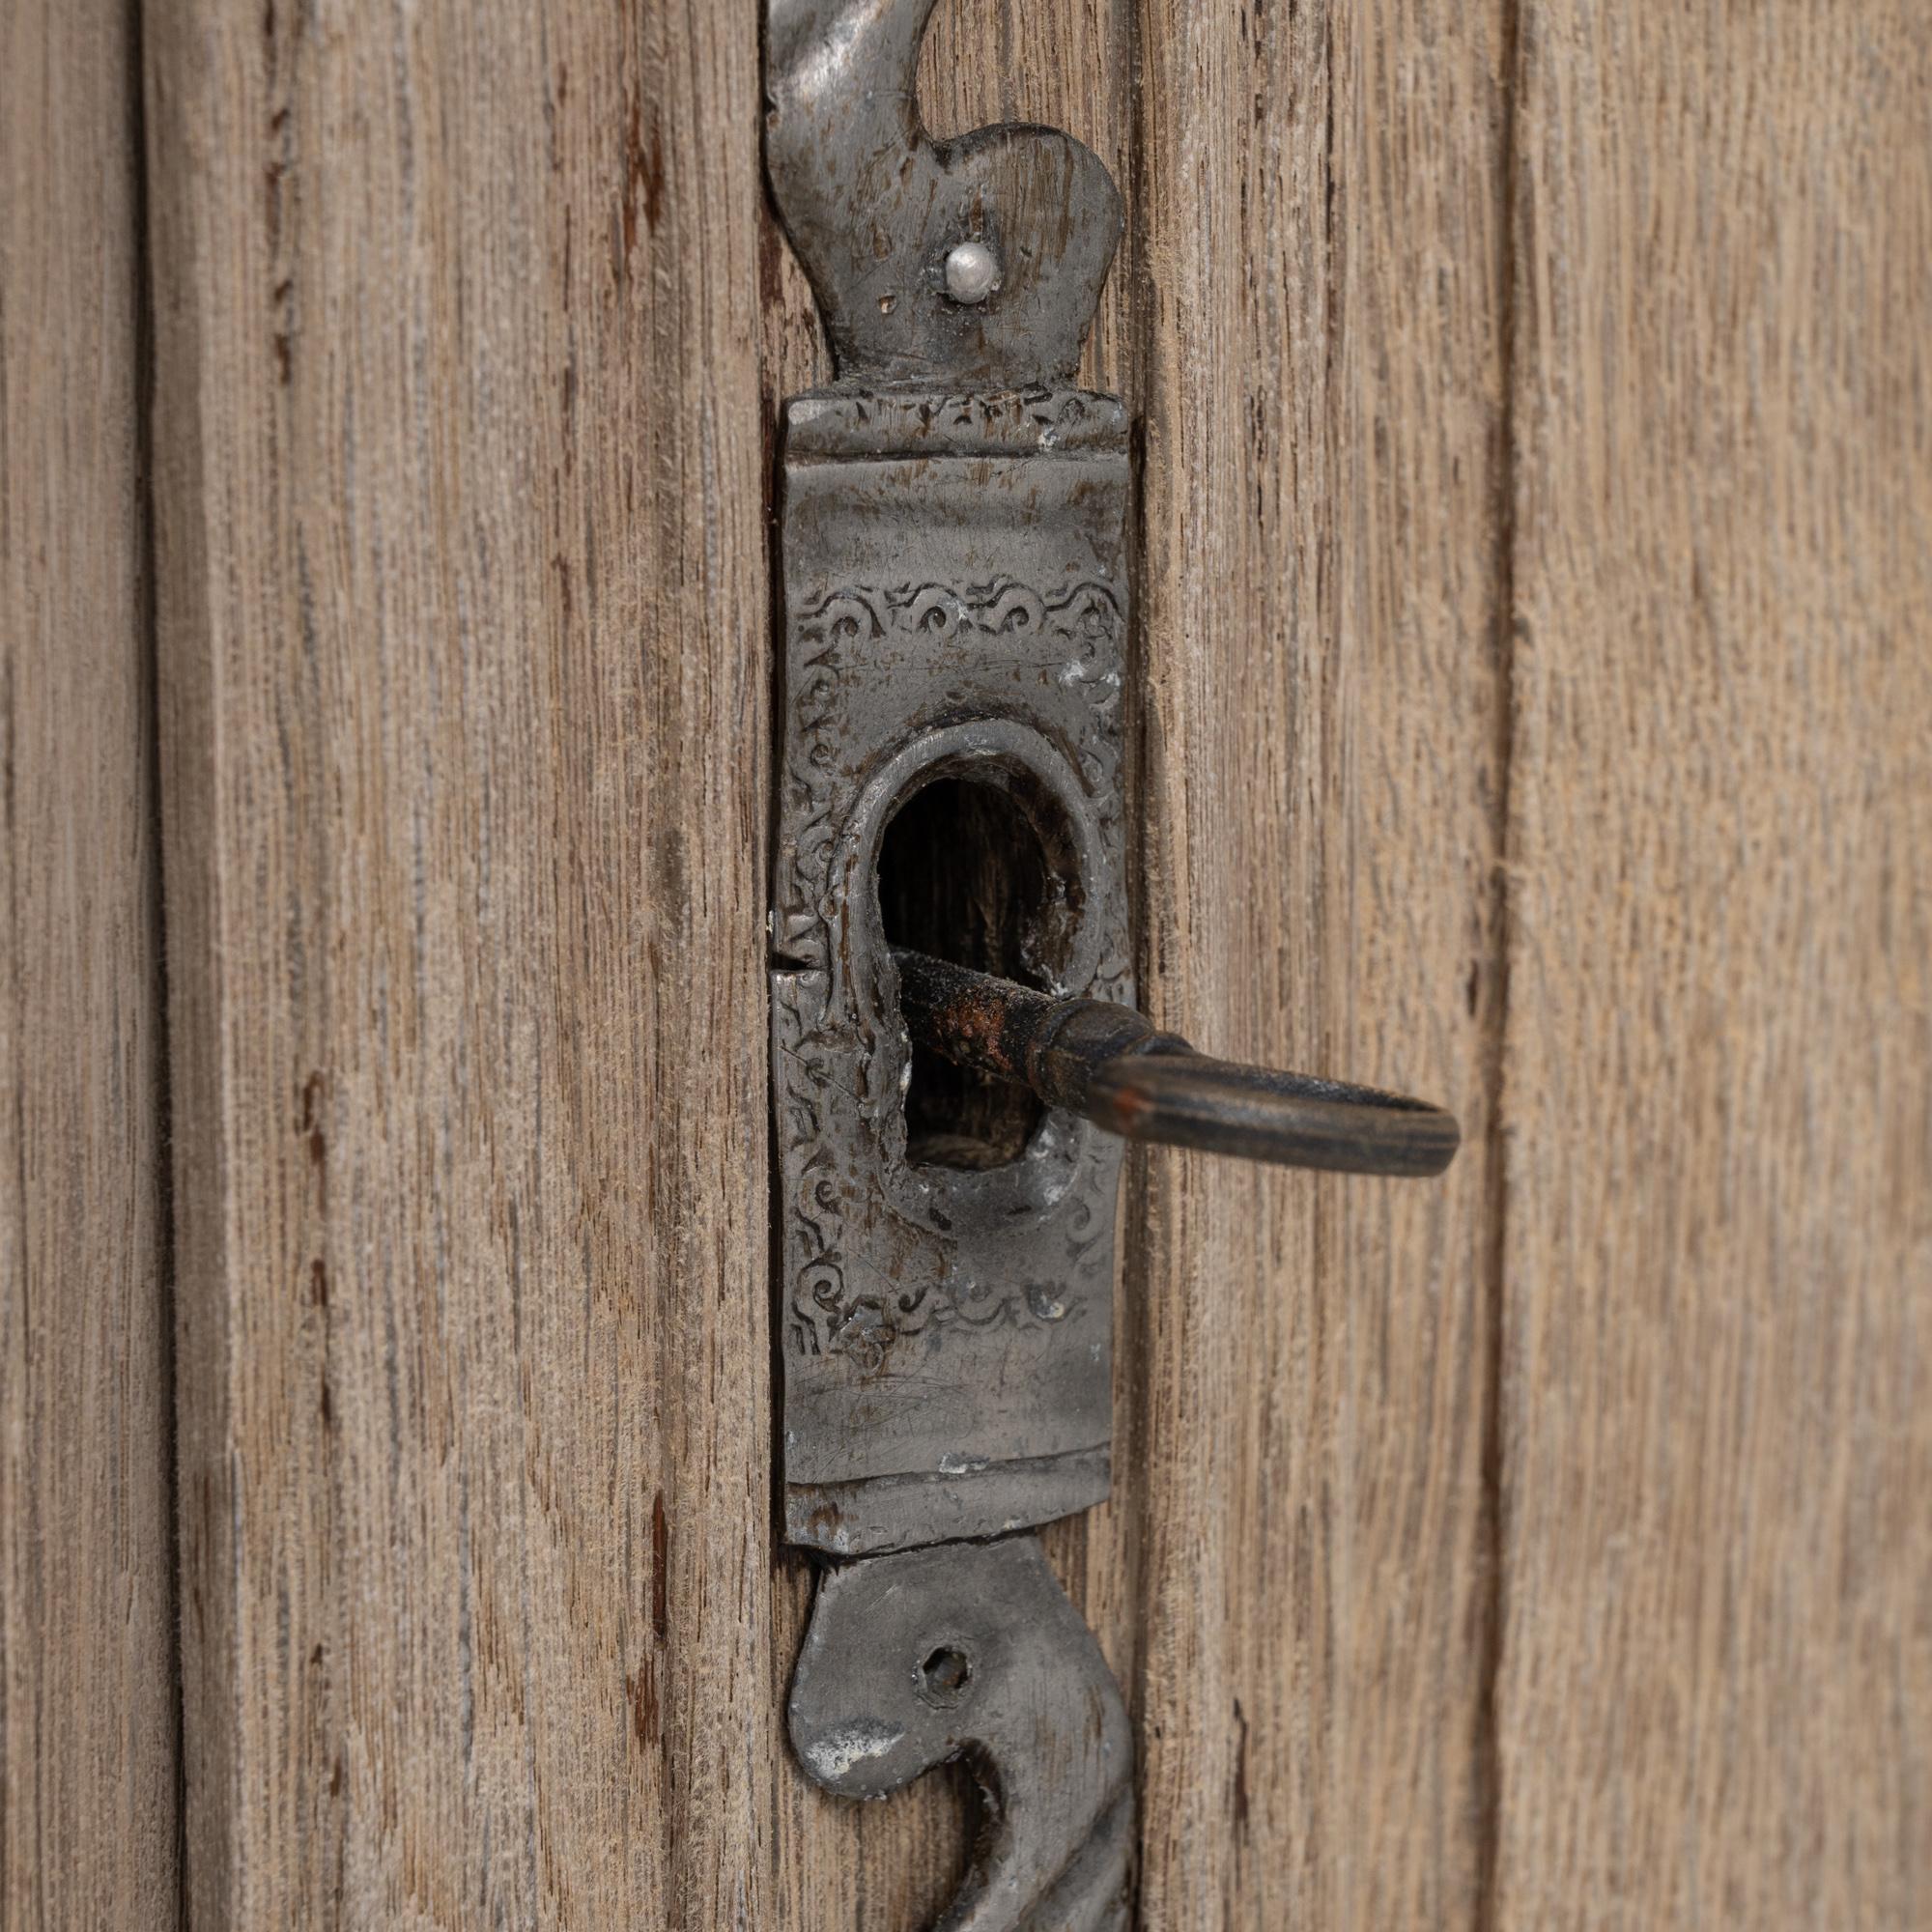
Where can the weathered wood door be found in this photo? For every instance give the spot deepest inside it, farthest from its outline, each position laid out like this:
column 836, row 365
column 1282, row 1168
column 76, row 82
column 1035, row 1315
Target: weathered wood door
column 1532, row 707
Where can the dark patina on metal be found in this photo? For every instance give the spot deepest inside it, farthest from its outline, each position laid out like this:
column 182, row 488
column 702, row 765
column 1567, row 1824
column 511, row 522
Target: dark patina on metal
column 971, row 1653
column 1113, row 1067
column 954, row 607
column 876, row 210
column 956, row 603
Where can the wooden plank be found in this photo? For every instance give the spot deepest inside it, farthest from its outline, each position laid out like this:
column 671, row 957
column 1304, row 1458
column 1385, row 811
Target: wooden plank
column 461, row 587
column 1414, row 840
column 88, row 1750
column 1716, row 1695
column 1320, row 266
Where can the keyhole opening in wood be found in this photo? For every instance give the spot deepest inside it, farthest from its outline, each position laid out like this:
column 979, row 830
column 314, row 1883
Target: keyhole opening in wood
column 979, row 871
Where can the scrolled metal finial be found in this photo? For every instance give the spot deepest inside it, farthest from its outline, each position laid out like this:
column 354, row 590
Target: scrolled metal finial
column 878, row 208
column 972, row 1651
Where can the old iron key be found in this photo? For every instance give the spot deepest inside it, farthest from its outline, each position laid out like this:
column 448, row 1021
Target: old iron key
column 1111, row 1065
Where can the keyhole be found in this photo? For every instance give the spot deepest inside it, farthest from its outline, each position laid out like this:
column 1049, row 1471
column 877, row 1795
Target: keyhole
column 979, row 874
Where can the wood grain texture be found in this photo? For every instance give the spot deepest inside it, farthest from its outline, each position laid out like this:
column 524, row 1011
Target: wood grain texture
column 472, row 325
column 1412, row 826
column 462, row 621
column 1321, row 198
column 1716, row 1696
column 88, row 1757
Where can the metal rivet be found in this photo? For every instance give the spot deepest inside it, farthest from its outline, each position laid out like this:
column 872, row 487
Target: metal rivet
column 972, row 272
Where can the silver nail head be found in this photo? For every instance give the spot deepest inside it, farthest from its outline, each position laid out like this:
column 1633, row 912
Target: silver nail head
column 972, row 272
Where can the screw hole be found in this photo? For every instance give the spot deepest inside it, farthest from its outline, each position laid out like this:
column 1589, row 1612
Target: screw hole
column 945, row 1675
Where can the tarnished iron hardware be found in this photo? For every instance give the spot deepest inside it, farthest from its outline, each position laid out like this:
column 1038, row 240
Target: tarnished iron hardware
column 955, row 610
column 1113, row 1067
column 955, row 597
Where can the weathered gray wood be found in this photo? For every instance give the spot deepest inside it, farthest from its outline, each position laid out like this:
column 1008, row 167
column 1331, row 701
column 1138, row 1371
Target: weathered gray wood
column 463, row 330
column 463, row 622
column 88, row 1753
column 1716, row 1695
column 1320, row 280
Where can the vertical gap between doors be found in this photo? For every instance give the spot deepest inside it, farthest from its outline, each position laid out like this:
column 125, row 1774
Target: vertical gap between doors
column 1494, row 1520
column 1131, row 1325
column 148, row 645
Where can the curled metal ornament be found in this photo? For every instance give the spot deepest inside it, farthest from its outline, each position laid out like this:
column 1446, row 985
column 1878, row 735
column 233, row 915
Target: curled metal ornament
column 972, row 1651
column 976, row 260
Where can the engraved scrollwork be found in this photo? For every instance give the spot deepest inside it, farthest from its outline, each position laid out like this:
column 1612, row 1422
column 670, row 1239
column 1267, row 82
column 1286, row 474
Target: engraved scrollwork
column 978, row 1304
column 1084, row 614
column 837, row 1306
column 814, row 1230
column 844, row 620
column 1040, row 416
column 844, row 616
column 1089, row 1233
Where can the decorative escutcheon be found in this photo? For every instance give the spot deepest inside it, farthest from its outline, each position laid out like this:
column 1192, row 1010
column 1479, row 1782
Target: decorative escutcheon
column 956, row 1056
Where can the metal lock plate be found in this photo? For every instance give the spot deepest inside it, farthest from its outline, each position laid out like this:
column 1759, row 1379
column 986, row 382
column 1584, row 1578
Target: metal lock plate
column 955, row 606
column 955, row 593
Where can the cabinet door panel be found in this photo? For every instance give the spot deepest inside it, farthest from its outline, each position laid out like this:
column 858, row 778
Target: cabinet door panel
column 1716, row 1666
column 1527, row 709
column 88, row 1748
column 1319, row 270
column 462, row 663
